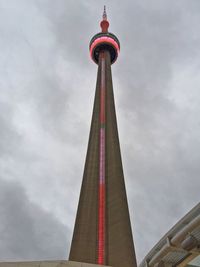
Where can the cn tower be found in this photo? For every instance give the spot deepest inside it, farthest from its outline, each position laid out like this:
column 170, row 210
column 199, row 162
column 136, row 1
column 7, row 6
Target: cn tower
column 102, row 233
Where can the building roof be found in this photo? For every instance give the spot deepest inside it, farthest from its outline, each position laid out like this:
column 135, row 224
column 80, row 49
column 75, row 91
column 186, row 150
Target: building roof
column 180, row 245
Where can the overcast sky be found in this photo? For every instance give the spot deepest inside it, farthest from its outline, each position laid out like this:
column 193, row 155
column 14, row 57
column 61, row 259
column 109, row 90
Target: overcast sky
column 47, row 85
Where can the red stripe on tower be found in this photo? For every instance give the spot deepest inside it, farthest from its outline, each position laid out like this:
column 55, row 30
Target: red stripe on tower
column 101, row 208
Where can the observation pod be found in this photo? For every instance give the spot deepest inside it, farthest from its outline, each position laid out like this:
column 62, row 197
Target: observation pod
column 104, row 41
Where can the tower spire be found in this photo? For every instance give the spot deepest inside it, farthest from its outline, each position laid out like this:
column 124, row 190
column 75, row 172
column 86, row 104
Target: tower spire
column 104, row 23
column 104, row 13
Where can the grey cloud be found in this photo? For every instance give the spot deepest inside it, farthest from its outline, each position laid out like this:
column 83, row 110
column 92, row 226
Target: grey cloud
column 28, row 232
column 70, row 23
column 9, row 138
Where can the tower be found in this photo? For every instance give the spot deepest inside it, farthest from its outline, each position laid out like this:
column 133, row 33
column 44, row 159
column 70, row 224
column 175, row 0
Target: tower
column 102, row 232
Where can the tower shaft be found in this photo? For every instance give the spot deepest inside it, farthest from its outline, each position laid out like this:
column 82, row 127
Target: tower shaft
column 102, row 163
column 102, row 232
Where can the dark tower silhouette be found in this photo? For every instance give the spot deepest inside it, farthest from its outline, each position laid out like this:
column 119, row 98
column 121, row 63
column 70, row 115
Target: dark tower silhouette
column 102, row 232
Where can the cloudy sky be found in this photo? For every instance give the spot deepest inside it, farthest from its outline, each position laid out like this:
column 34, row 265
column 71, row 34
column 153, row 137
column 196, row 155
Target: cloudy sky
column 47, row 84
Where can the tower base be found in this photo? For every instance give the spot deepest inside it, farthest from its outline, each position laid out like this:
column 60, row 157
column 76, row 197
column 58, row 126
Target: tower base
column 48, row 264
